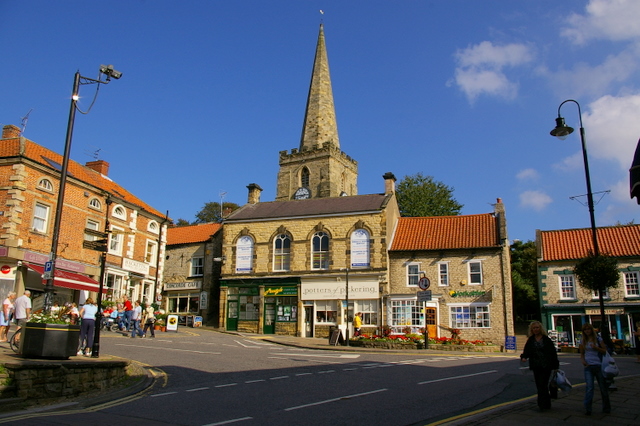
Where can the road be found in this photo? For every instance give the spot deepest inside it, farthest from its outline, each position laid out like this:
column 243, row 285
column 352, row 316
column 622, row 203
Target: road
column 211, row 378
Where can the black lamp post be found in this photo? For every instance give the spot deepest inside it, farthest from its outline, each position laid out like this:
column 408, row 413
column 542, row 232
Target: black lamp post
column 561, row 132
column 78, row 80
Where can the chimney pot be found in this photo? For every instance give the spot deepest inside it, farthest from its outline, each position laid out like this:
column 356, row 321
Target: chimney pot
column 10, row 131
column 254, row 193
column 99, row 166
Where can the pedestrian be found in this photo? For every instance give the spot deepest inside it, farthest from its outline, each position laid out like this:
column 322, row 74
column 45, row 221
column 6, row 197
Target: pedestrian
column 87, row 327
column 128, row 311
column 149, row 320
column 136, row 316
column 591, row 350
column 74, row 313
column 5, row 316
column 543, row 361
column 357, row 324
column 636, row 338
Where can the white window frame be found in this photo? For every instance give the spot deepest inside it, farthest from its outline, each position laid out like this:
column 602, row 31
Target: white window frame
column 117, row 288
column 151, row 252
column 443, row 276
column 196, row 266
column 40, row 222
column 405, row 313
column 632, row 284
column 475, row 273
column 322, row 309
column 153, row 227
column 45, row 185
column 369, row 310
column 605, row 294
column 94, row 225
column 95, row 204
column 119, row 212
column 320, row 257
column 116, row 241
column 282, row 255
column 470, row 315
column 568, row 282
column 413, row 274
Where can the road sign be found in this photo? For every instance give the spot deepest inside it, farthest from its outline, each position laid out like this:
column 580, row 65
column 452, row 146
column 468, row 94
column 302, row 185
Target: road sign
column 510, row 343
column 47, row 275
column 48, row 266
column 424, row 283
column 424, row 296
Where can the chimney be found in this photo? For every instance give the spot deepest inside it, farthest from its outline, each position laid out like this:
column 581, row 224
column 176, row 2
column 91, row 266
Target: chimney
column 389, row 183
column 99, row 166
column 254, row 193
column 10, row 131
column 500, row 214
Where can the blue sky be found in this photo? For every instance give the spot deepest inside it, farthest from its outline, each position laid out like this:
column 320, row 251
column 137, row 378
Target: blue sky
column 465, row 91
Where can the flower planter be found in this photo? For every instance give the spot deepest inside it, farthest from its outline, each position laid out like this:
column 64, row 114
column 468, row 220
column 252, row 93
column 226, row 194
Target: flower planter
column 55, row 341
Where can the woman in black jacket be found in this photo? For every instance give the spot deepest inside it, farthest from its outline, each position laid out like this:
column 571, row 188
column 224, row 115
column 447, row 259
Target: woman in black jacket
column 543, row 361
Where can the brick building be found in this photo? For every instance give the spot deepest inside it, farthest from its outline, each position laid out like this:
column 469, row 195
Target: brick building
column 29, row 179
column 466, row 260
column 565, row 305
column 192, row 271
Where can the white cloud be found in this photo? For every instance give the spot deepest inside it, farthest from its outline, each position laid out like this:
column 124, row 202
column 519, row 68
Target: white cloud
column 480, row 69
column 536, row 200
column 528, row 174
column 605, row 19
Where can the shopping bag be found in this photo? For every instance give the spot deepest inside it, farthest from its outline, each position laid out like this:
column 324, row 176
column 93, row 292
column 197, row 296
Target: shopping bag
column 609, row 366
column 563, row 383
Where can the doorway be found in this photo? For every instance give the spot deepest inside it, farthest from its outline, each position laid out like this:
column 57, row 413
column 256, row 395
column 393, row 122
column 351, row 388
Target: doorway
column 232, row 315
column 269, row 318
column 308, row 321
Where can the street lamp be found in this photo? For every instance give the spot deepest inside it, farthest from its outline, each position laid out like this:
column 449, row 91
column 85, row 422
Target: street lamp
column 561, row 132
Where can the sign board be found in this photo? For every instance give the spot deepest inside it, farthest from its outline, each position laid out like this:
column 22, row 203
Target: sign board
column 172, row 323
column 424, row 283
column 510, row 343
column 336, row 336
column 48, row 266
column 197, row 321
column 424, row 296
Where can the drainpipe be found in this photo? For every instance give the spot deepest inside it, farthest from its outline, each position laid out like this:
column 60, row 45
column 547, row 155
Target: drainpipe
column 155, row 284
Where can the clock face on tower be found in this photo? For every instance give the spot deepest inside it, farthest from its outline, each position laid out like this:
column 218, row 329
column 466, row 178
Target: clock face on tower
column 301, row 193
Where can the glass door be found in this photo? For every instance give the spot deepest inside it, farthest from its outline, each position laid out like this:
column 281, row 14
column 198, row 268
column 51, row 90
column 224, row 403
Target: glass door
column 269, row 318
column 232, row 315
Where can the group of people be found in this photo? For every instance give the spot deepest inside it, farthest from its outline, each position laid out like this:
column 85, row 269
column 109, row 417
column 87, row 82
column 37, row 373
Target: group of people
column 16, row 309
column 541, row 353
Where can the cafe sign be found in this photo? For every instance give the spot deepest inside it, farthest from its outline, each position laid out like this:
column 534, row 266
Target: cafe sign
column 474, row 293
column 186, row 285
column 611, row 311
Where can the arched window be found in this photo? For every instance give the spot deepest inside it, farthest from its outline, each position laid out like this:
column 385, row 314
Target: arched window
column 153, row 227
column 282, row 253
column 304, row 178
column 95, row 204
column 46, row 185
column 320, row 251
column 119, row 212
column 360, row 249
column 244, row 255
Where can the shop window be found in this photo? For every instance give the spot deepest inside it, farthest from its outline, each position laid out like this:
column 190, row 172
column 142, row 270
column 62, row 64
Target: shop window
column 567, row 287
column 286, row 309
column 413, row 274
column 282, row 253
column 443, row 273
column 475, row 272
column 327, row 311
column 369, row 310
column 114, row 285
column 406, row 313
column 244, row 255
column 631, row 288
column 184, row 303
column 360, row 249
column 320, row 251
column 470, row 316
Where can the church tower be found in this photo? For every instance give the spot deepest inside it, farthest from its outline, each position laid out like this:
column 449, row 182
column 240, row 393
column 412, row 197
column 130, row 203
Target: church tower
column 318, row 168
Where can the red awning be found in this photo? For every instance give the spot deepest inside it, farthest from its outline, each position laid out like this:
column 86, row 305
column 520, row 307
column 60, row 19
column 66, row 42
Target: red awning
column 72, row 280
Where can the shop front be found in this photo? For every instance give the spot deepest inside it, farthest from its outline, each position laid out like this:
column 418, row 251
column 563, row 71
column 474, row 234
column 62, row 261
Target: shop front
column 281, row 310
column 333, row 302
column 183, row 299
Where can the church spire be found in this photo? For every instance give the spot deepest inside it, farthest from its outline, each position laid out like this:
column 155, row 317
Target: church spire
column 320, row 124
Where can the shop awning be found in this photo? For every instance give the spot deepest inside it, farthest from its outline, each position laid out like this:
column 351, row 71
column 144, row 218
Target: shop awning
column 71, row 280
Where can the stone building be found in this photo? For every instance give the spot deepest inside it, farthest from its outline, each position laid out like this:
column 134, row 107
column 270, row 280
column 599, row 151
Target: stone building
column 465, row 260
column 565, row 305
column 192, row 272
column 29, row 185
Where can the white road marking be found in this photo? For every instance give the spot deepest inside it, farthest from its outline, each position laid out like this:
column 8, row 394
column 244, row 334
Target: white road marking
column 335, row 399
column 278, row 377
column 304, row 374
column 226, row 422
column 170, row 349
column 351, row 356
column 255, row 381
column 163, row 394
column 326, row 371
column 247, row 346
column 458, row 377
column 197, row 389
column 226, row 385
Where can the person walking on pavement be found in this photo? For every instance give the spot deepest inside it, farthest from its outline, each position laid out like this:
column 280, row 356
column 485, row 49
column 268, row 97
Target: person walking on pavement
column 543, row 361
column 136, row 316
column 636, row 337
column 5, row 316
column 357, row 324
column 591, row 350
column 87, row 327
column 128, row 311
column 149, row 320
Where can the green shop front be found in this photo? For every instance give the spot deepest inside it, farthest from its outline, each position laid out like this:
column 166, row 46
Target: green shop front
column 261, row 306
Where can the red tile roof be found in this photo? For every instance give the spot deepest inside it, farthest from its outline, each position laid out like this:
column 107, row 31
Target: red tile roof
column 445, row 232
column 192, row 234
column 10, row 147
column 569, row 244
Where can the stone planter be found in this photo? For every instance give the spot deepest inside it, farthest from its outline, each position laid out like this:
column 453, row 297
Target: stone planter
column 55, row 341
column 410, row 345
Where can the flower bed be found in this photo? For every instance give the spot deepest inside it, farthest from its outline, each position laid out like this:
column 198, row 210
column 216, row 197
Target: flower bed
column 416, row 341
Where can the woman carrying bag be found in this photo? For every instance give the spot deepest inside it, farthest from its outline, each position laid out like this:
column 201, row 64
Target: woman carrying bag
column 543, row 361
column 591, row 350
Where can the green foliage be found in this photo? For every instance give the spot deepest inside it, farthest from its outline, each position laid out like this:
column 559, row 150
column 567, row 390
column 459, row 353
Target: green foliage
column 182, row 222
column 420, row 196
column 211, row 212
column 597, row 272
column 524, row 279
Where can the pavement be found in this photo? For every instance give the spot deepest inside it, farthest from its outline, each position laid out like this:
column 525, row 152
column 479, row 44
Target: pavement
column 566, row 410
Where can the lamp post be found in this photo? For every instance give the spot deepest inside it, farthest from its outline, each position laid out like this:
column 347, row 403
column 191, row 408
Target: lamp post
column 77, row 81
column 347, row 299
column 561, row 131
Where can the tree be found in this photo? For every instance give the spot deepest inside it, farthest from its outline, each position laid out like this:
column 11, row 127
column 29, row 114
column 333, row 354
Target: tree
column 524, row 279
column 182, row 222
column 420, row 196
column 211, row 212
